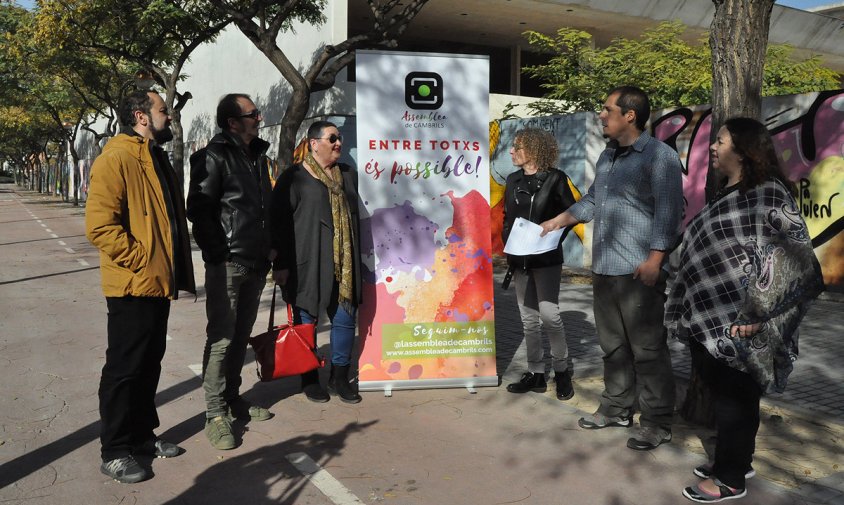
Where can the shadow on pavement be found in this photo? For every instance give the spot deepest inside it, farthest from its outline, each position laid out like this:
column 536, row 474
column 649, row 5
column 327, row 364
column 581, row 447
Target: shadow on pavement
column 49, row 275
column 22, row 466
column 265, row 472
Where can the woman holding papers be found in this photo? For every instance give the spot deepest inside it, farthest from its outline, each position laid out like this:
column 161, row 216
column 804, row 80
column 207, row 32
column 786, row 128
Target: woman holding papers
column 538, row 192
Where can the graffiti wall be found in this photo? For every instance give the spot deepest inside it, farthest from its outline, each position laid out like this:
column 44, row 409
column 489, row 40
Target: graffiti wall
column 579, row 139
column 808, row 132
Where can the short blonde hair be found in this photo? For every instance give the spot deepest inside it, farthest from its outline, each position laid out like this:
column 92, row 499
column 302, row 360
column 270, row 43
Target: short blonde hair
column 539, row 146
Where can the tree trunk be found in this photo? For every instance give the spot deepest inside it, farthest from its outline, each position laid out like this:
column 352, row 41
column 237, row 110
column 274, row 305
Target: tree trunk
column 178, row 145
column 297, row 109
column 738, row 38
column 74, row 171
column 178, row 142
column 39, row 185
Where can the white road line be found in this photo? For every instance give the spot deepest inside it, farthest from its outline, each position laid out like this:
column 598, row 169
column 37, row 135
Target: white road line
column 68, row 249
column 61, row 242
column 330, row 487
column 83, row 263
column 37, row 220
column 169, row 337
column 197, row 369
column 49, row 230
column 43, row 225
column 54, row 235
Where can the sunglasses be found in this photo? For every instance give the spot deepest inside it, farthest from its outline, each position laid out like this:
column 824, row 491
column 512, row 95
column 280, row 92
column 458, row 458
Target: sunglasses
column 255, row 114
column 333, row 138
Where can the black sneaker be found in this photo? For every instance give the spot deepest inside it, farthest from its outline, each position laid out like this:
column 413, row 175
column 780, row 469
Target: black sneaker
column 565, row 390
column 529, row 382
column 124, row 470
column 159, row 448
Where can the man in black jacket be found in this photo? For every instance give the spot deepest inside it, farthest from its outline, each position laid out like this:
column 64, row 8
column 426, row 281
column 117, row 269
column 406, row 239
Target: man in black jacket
column 228, row 204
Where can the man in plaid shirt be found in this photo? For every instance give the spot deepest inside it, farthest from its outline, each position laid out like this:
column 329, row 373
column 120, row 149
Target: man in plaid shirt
column 636, row 203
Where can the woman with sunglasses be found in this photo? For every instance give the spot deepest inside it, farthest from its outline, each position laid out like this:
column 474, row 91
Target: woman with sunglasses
column 538, row 192
column 315, row 209
column 747, row 275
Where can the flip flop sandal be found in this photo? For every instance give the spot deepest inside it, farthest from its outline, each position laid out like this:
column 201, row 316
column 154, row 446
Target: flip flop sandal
column 696, row 494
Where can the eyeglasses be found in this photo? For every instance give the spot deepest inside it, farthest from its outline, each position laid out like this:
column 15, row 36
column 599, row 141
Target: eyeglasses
column 255, row 114
column 332, row 138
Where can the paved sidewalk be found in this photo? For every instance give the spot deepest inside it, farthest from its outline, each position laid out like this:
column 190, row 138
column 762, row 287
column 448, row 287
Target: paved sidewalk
column 801, row 441
column 417, row 447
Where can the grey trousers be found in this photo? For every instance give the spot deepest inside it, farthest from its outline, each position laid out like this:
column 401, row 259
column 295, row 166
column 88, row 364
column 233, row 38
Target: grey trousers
column 628, row 319
column 231, row 307
column 538, row 294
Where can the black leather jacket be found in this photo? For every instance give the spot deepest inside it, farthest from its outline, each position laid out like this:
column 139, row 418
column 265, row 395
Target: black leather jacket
column 520, row 200
column 228, row 201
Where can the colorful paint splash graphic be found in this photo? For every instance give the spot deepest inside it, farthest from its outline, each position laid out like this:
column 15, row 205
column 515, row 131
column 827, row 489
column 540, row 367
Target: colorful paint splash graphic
column 420, row 278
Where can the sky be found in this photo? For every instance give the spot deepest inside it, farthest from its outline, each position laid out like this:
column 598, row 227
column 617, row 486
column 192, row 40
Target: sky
column 807, row 4
column 799, row 4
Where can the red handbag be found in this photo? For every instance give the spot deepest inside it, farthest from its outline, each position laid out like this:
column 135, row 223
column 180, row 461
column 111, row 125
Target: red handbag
column 287, row 349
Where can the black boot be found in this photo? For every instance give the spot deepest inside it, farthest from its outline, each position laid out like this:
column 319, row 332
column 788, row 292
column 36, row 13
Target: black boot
column 565, row 390
column 529, row 382
column 310, row 386
column 340, row 384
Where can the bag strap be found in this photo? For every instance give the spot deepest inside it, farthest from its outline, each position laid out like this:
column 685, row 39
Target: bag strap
column 272, row 311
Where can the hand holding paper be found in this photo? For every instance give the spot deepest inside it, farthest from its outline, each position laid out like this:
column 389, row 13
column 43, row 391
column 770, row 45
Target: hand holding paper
column 525, row 239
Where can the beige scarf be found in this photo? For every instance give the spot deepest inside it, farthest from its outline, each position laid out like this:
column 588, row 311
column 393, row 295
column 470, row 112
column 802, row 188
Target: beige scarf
column 342, row 228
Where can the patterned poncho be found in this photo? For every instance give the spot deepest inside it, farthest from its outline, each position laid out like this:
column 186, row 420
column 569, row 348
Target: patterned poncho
column 747, row 258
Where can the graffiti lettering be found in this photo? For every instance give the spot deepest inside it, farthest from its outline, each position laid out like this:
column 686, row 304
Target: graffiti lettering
column 809, row 208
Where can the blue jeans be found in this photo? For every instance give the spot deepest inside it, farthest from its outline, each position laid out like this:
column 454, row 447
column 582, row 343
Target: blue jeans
column 342, row 334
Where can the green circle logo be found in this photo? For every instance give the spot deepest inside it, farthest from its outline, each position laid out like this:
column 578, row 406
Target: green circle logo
column 424, row 90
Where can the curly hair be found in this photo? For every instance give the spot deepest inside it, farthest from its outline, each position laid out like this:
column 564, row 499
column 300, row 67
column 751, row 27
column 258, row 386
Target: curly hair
column 539, row 146
column 753, row 144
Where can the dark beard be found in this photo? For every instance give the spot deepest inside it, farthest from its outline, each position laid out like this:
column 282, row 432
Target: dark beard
column 163, row 135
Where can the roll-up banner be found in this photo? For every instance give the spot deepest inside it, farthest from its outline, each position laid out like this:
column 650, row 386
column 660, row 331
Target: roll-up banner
column 427, row 319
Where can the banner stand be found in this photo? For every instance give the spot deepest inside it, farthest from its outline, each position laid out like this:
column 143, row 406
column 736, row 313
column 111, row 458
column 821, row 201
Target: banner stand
column 427, row 317
column 389, row 386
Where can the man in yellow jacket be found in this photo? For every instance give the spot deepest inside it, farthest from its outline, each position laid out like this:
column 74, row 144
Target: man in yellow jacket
column 135, row 216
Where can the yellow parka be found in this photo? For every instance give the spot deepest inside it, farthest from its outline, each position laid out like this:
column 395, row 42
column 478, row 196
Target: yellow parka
column 127, row 219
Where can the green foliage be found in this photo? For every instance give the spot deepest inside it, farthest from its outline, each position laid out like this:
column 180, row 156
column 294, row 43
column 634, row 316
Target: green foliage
column 784, row 75
column 31, row 103
column 672, row 71
column 23, row 132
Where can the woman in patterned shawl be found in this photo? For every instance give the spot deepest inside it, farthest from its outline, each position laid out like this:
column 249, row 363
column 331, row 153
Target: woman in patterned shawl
column 747, row 275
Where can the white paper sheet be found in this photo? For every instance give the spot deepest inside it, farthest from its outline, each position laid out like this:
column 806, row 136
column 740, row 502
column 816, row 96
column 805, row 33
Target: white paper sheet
column 524, row 239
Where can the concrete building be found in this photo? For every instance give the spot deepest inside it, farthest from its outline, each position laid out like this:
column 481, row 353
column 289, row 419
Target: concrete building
column 835, row 10
column 491, row 27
